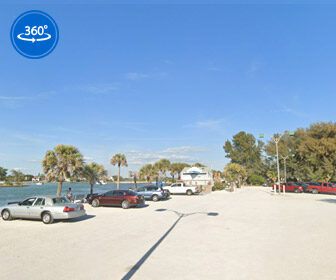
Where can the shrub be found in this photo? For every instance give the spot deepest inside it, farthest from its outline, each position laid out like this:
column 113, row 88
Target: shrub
column 218, row 186
column 256, row 180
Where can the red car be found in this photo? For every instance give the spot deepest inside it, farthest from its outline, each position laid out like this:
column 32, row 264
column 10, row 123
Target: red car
column 123, row 198
column 292, row 187
column 322, row 188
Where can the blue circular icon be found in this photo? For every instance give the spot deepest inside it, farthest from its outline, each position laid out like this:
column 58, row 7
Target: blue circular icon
column 34, row 34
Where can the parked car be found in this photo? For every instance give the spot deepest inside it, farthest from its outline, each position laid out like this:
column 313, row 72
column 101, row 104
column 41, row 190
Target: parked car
column 181, row 188
column 154, row 193
column 303, row 185
column 46, row 208
column 123, row 198
column 322, row 188
column 292, row 187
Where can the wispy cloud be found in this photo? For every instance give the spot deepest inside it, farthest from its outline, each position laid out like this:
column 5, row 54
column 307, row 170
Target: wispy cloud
column 136, row 76
column 185, row 149
column 209, row 123
column 19, row 168
column 254, row 67
column 288, row 110
column 2, row 97
column 168, row 61
column 100, row 89
column 88, row 158
column 173, row 154
column 214, row 69
column 139, row 76
column 33, row 160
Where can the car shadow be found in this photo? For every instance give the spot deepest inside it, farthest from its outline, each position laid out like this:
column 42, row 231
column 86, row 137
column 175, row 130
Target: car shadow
column 78, row 219
column 131, row 207
column 141, row 206
column 329, row 200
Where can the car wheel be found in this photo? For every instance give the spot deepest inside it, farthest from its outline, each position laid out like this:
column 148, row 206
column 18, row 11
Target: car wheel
column 125, row 204
column 189, row 192
column 95, row 203
column 315, row 191
column 6, row 215
column 168, row 193
column 47, row 218
column 155, row 197
column 296, row 190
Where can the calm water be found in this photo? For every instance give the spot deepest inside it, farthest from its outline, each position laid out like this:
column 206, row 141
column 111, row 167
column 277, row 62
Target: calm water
column 18, row 194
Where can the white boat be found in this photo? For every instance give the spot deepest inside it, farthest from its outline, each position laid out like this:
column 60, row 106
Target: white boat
column 103, row 182
column 39, row 184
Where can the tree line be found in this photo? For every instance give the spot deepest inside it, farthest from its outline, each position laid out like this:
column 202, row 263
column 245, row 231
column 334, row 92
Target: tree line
column 14, row 176
column 310, row 155
column 158, row 170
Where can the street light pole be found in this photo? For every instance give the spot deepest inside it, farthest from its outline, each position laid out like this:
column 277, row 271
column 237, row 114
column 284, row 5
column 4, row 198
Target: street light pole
column 276, row 140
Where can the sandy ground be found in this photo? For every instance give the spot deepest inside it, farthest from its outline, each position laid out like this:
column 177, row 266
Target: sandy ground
column 249, row 234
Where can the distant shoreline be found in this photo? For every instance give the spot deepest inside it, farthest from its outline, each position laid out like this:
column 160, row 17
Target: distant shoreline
column 13, row 186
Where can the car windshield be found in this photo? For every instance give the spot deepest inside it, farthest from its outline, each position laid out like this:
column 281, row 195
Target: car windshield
column 60, row 200
column 132, row 193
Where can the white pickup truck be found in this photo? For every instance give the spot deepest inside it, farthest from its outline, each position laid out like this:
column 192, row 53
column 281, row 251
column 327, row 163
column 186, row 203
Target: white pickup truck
column 181, row 188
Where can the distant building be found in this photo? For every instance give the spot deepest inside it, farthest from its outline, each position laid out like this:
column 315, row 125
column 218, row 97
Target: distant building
column 197, row 176
column 36, row 179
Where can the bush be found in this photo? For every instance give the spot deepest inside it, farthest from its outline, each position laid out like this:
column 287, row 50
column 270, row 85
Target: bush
column 218, row 186
column 256, row 180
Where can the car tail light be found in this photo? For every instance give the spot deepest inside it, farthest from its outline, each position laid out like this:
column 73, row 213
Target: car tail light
column 67, row 209
column 81, row 208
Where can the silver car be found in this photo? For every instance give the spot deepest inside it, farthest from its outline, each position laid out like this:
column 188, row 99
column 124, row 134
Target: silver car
column 46, row 208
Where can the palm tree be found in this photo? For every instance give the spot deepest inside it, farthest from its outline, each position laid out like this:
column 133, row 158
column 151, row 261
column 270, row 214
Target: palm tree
column 174, row 169
column 178, row 167
column 164, row 167
column 157, row 170
column 120, row 160
column 147, row 172
column 93, row 172
column 62, row 163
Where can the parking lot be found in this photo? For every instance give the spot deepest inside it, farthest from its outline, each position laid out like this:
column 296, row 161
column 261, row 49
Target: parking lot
column 249, row 234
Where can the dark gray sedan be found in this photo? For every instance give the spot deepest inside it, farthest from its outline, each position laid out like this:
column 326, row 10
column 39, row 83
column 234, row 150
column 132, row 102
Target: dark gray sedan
column 46, row 208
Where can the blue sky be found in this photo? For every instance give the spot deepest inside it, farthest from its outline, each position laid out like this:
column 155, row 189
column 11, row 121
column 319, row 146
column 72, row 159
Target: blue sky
column 164, row 81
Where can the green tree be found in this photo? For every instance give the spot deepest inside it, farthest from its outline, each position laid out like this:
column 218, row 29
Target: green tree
column 94, row 173
column 120, row 160
column 62, row 163
column 256, row 180
column 316, row 152
column 246, row 151
column 164, row 167
column 174, row 170
column 3, row 174
column 197, row 164
column 179, row 166
column 235, row 172
column 272, row 176
column 17, row 175
column 147, row 172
